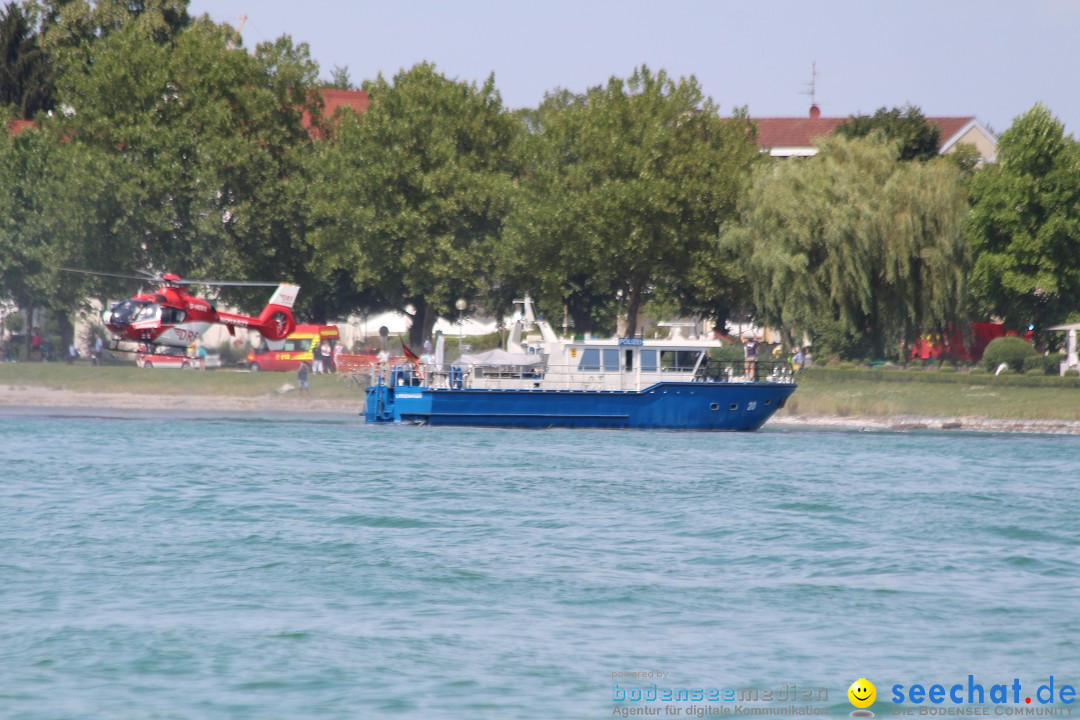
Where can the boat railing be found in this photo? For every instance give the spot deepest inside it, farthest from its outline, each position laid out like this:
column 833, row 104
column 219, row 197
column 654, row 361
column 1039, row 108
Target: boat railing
column 574, row 377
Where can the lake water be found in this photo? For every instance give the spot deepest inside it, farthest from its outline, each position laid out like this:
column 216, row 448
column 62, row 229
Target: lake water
column 198, row 567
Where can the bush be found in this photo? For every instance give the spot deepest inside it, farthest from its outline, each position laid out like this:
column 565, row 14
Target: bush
column 834, row 339
column 1008, row 350
column 230, row 353
column 946, row 369
column 1072, row 372
column 1033, row 364
column 728, row 354
column 977, row 371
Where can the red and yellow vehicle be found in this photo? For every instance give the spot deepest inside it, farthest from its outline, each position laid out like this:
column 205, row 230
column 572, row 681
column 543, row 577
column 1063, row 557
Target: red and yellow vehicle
column 296, row 347
column 299, row 346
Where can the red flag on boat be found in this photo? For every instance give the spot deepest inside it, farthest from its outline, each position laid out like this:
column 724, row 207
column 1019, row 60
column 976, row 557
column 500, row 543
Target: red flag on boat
column 409, row 354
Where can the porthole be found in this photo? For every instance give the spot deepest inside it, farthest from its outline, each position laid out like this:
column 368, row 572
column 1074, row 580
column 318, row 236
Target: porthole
column 714, row 406
column 734, row 406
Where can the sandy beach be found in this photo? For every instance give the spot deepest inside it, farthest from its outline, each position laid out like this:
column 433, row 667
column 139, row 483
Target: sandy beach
column 25, row 398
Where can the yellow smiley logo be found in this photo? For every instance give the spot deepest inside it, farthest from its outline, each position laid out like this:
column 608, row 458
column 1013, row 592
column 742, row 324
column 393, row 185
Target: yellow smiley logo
column 862, row 693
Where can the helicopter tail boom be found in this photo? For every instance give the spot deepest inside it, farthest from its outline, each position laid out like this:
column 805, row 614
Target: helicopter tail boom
column 276, row 321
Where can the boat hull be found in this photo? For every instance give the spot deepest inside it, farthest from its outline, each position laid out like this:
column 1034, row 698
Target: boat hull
column 664, row 406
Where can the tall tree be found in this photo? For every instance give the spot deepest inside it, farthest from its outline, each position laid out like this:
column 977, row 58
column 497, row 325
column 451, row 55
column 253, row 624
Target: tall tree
column 206, row 143
column 624, row 189
column 410, row 198
column 1025, row 223
column 54, row 210
column 857, row 239
column 917, row 138
column 26, row 75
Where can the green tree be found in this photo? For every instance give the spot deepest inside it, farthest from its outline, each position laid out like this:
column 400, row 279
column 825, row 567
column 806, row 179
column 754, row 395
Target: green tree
column 623, row 191
column 907, row 126
column 1025, row 224
column 26, row 76
column 854, row 242
column 205, row 144
column 70, row 28
column 54, row 210
column 409, row 199
column 340, row 79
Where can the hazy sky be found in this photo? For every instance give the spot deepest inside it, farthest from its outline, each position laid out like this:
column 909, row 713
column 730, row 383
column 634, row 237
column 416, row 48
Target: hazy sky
column 992, row 59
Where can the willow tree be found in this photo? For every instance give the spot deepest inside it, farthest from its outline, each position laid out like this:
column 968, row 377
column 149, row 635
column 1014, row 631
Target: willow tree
column 624, row 189
column 409, row 198
column 856, row 239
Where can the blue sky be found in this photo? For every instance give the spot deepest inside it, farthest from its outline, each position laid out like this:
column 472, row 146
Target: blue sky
column 991, row 59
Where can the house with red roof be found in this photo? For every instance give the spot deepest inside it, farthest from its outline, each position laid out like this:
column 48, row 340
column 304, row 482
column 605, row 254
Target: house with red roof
column 786, row 137
column 333, row 98
column 17, row 126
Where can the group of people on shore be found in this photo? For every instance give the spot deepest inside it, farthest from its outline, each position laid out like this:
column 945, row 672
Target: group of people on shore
column 324, row 359
column 41, row 349
column 798, row 359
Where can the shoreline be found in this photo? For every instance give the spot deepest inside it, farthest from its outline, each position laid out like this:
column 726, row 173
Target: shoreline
column 912, row 423
column 26, row 398
column 290, row 403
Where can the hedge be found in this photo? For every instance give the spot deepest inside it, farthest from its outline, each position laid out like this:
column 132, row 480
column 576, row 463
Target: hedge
column 961, row 378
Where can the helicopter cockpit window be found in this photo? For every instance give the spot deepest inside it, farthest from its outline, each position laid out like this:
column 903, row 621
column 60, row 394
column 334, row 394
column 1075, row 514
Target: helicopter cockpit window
column 127, row 311
column 149, row 311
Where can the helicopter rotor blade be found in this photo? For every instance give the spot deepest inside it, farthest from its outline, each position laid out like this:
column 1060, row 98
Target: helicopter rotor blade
column 114, row 275
column 231, row 283
column 145, row 276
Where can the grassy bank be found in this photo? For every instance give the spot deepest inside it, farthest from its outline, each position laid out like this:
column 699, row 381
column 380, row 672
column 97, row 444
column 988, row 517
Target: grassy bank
column 896, row 392
column 82, row 377
column 821, row 391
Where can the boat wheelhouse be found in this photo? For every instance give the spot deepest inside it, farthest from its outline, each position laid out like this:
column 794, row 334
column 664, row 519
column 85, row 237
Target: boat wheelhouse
column 544, row 381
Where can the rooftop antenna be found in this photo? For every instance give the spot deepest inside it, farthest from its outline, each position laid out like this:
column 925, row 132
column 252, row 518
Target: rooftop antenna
column 815, row 111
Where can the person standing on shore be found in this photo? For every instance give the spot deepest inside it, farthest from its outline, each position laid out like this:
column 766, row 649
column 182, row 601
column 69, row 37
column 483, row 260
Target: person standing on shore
column 325, row 359
column 302, row 378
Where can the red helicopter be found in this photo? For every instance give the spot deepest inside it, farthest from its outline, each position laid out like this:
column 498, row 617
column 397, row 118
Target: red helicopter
column 174, row 317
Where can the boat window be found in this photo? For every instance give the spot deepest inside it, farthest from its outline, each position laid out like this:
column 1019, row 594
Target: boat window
column 590, row 359
column 679, row 360
column 611, row 360
column 629, row 362
column 648, row 361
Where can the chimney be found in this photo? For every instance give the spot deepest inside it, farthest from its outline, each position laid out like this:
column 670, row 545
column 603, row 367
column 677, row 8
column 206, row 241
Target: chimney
column 815, row 112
